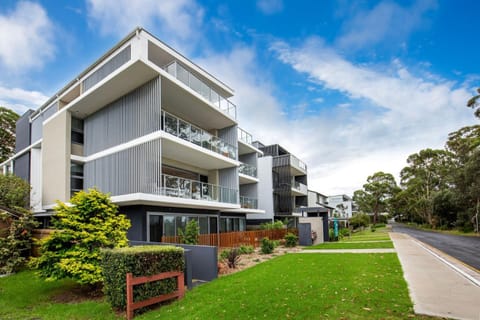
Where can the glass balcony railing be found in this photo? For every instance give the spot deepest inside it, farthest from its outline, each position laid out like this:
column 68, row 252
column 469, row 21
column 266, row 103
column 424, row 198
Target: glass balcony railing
column 193, row 134
column 245, row 136
column 248, row 169
column 173, row 186
column 248, row 203
column 298, row 163
column 299, row 186
column 197, row 85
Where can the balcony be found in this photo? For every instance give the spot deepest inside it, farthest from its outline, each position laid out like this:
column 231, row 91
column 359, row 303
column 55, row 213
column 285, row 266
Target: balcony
column 299, row 189
column 173, row 186
column 245, row 136
column 297, row 163
column 248, row 170
column 248, row 203
column 190, row 80
column 195, row 135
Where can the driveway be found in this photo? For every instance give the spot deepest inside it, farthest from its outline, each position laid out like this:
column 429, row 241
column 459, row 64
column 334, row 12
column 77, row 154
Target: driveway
column 463, row 248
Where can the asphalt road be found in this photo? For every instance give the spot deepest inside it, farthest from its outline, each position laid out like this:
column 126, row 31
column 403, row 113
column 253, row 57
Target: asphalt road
column 464, row 248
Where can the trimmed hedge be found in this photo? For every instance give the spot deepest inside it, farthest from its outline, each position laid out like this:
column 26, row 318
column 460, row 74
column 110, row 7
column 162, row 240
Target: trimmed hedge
column 140, row 261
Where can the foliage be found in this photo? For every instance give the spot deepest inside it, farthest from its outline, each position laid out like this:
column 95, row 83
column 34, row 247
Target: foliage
column 359, row 220
column 140, row 261
column 192, row 231
column 16, row 244
column 8, row 122
column 92, row 222
column 246, row 249
column 290, row 240
column 272, row 225
column 376, row 194
column 353, row 245
column 267, row 246
column 474, row 102
column 14, row 192
column 232, row 256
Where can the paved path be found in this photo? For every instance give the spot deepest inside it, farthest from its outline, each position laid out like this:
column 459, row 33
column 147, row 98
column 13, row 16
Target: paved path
column 438, row 286
column 464, row 248
column 349, row 251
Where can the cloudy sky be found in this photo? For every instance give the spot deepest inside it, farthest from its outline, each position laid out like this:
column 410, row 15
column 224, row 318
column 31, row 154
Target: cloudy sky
column 350, row 87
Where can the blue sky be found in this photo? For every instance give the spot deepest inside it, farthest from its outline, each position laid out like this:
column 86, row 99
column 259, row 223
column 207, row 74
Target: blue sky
column 350, row 87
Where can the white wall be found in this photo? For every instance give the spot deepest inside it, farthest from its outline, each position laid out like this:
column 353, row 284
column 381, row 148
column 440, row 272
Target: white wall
column 336, row 200
column 265, row 189
column 36, row 179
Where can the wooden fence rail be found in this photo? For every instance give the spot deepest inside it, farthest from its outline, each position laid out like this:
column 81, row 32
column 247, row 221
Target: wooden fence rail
column 235, row 239
column 132, row 281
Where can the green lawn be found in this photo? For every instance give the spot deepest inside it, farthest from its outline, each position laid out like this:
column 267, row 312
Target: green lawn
column 367, row 235
column 352, row 245
column 297, row 286
column 24, row 296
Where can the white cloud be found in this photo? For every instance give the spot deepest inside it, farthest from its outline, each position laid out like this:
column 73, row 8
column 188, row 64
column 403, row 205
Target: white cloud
column 26, row 37
column 270, row 6
column 401, row 113
column 386, row 21
column 20, row 100
column 175, row 21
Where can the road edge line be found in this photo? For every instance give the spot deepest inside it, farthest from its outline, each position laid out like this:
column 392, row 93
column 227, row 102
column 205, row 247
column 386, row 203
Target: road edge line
column 451, row 265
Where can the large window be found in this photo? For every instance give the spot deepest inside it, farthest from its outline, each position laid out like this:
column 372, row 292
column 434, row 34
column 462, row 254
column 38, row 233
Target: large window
column 231, row 224
column 167, row 225
column 77, row 131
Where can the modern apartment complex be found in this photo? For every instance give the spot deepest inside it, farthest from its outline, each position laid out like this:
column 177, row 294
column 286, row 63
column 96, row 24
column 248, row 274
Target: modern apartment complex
column 154, row 130
column 342, row 205
column 283, row 184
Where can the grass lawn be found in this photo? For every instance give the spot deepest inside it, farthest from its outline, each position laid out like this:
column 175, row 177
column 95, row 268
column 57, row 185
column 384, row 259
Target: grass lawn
column 352, row 245
column 24, row 296
column 380, row 234
column 297, row 286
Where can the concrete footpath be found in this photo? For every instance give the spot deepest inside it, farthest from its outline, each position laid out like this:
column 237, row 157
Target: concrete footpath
column 439, row 285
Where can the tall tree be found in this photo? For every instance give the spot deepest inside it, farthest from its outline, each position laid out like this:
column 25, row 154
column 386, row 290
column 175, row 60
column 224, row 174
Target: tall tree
column 8, row 120
column 474, row 102
column 376, row 193
column 428, row 172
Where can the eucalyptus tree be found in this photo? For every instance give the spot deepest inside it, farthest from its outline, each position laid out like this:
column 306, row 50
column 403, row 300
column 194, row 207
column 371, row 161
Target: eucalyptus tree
column 8, row 121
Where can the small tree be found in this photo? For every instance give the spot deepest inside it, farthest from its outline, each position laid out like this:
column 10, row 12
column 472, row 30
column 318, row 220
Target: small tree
column 92, row 222
column 8, row 121
column 190, row 236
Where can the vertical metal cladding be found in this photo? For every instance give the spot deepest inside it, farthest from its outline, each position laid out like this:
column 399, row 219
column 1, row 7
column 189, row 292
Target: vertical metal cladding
column 134, row 170
column 229, row 135
column 228, row 178
column 116, row 62
column 132, row 116
column 37, row 123
column 22, row 131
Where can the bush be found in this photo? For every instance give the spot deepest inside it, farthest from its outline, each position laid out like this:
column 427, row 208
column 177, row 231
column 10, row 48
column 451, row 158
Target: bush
column 190, row 236
column 140, row 261
column 233, row 257
column 290, row 240
column 272, row 225
column 344, row 232
column 267, row 246
column 91, row 223
column 16, row 243
column 359, row 220
column 246, row 249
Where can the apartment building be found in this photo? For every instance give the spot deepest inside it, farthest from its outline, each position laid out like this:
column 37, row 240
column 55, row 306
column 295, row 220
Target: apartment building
column 282, row 186
column 342, row 205
column 153, row 129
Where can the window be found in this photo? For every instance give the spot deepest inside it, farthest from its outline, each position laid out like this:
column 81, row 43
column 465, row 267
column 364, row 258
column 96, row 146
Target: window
column 160, row 225
column 232, row 224
column 77, row 131
column 76, row 178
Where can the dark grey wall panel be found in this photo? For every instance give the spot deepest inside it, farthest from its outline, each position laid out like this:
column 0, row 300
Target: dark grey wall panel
column 21, row 167
column 116, row 62
column 137, row 169
column 249, row 190
column 134, row 115
column 37, row 123
column 22, row 131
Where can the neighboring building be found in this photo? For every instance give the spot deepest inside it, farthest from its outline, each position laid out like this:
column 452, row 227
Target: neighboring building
column 317, row 199
column 282, row 186
column 342, row 205
column 151, row 128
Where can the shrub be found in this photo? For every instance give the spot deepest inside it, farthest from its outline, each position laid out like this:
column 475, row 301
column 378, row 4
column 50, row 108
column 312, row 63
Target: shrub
column 267, row 246
column 140, row 261
column 233, row 257
column 91, row 223
column 190, row 236
column 16, row 243
column 14, row 192
column 342, row 233
column 246, row 249
column 290, row 240
column 272, row 225
column 359, row 220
